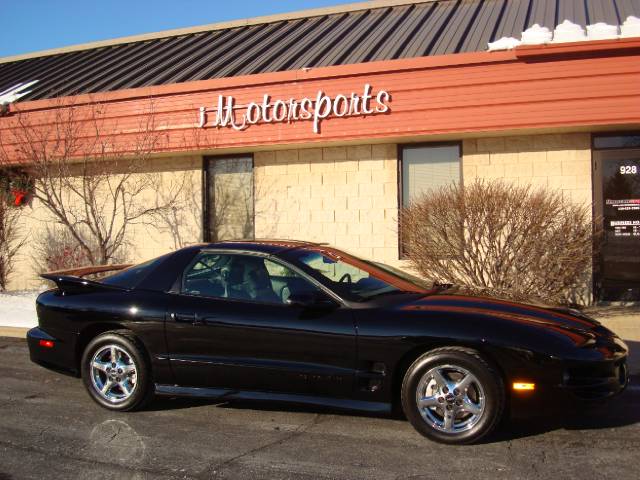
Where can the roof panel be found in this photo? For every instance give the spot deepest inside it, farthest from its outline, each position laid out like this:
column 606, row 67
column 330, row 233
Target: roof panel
column 570, row 9
column 514, row 19
column 626, row 8
column 481, row 30
column 602, row 11
column 543, row 12
column 358, row 51
column 354, row 35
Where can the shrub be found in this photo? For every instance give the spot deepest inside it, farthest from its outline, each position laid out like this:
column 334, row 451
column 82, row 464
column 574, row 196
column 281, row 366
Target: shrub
column 56, row 249
column 501, row 239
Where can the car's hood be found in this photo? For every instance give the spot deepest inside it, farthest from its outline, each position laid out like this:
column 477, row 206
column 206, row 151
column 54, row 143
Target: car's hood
column 570, row 323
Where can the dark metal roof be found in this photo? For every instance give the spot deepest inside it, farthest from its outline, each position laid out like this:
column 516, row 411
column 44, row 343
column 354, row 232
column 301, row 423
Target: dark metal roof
column 414, row 30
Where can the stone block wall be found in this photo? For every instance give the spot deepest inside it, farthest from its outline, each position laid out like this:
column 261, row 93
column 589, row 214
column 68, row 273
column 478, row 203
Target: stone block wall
column 346, row 196
column 556, row 161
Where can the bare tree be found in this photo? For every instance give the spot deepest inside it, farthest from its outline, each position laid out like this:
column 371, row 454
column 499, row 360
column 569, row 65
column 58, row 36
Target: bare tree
column 93, row 184
column 502, row 239
column 11, row 240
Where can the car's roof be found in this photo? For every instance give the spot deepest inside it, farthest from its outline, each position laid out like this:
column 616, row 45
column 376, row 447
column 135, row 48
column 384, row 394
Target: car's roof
column 268, row 246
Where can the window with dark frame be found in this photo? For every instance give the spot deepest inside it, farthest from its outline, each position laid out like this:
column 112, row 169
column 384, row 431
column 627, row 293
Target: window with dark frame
column 424, row 168
column 229, row 198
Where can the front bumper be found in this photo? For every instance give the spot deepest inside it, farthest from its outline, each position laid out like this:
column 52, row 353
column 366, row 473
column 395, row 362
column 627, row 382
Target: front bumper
column 596, row 381
column 60, row 356
column 580, row 384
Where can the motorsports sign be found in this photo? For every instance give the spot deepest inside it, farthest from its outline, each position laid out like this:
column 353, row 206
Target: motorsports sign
column 240, row 117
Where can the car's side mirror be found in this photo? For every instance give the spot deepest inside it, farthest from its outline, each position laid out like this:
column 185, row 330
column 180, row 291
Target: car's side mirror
column 311, row 301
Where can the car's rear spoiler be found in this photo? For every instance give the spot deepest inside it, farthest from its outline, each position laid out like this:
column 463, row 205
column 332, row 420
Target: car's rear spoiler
column 73, row 279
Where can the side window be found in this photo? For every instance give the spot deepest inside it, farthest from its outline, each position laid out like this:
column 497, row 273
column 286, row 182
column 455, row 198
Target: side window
column 203, row 277
column 285, row 281
column 242, row 277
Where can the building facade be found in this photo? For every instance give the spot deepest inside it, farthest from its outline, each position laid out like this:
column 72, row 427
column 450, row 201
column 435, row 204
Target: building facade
column 321, row 125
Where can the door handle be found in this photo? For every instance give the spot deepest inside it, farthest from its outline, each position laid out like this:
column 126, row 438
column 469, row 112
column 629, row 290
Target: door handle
column 191, row 318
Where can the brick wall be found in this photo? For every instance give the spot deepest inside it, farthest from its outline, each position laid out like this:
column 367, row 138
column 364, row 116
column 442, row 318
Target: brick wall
column 346, row 196
column 556, row 161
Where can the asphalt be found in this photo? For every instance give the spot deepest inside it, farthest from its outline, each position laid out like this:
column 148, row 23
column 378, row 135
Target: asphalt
column 50, row 428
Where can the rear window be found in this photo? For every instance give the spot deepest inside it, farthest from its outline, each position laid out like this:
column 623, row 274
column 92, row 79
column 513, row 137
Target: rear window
column 132, row 276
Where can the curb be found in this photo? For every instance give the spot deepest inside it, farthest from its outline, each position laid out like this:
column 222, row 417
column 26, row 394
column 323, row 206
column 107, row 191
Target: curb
column 14, row 332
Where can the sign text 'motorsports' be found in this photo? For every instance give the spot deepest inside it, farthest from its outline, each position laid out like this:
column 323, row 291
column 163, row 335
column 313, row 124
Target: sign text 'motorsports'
column 241, row 117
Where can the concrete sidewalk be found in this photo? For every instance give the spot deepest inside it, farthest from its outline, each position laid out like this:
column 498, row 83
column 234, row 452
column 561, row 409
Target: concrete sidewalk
column 15, row 332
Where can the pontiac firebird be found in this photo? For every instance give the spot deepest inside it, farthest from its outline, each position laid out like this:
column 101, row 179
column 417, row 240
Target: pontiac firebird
column 306, row 323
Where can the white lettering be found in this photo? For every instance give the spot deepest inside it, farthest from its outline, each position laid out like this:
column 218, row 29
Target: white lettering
column 293, row 110
column 224, row 111
column 202, row 117
column 337, row 110
column 240, row 117
column 322, row 110
column 265, row 106
column 279, row 111
column 354, row 105
column 382, row 98
column 366, row 98
column 305, row 106
column 253, row 113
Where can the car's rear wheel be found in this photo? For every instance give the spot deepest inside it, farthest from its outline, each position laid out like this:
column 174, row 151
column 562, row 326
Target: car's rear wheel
column 116, row 372
column 453, row 395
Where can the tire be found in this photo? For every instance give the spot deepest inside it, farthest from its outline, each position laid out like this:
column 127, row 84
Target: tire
column 130, row 387
column 473, row 410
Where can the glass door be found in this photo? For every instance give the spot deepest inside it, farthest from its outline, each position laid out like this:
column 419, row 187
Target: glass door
column 230, row 198
column 617, row 202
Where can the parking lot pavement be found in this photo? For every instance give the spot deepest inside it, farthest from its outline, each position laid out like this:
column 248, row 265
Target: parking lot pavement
column 49, row 428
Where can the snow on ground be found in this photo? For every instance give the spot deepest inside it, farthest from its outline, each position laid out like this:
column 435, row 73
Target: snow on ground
column 18, row 309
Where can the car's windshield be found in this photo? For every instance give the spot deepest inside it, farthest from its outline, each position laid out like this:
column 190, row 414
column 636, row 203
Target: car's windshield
column 352, row 277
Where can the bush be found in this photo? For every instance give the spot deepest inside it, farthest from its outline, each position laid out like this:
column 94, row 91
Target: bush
column 56, row 249
column 501, row 239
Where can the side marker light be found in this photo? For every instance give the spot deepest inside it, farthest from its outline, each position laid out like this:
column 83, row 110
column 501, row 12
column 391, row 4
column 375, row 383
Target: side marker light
column 524, row 386
column 46, row 343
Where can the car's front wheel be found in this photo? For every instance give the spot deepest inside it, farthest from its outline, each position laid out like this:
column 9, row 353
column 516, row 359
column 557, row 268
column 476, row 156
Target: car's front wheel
column 116, row 372
column 453, row 395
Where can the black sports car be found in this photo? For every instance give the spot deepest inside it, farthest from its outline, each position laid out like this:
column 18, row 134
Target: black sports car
column 306, row 323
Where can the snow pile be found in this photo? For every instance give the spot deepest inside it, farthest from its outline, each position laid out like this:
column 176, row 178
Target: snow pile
column 505, row 43
column 568, row 31
column 630, row 27
column 536, row 35
column 18, row 309
column 602, row 31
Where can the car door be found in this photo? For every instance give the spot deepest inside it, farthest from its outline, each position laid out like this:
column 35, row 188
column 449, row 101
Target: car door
column 228, row 326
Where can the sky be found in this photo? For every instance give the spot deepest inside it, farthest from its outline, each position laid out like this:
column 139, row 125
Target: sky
column 32, row 25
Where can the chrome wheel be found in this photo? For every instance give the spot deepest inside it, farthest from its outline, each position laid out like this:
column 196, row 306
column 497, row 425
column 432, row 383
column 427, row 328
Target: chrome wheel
column 450, row 399
column 113, row 373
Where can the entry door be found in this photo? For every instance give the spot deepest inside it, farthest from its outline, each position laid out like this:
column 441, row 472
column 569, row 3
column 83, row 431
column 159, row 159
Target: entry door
column 225, row 332
column 617, row 192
